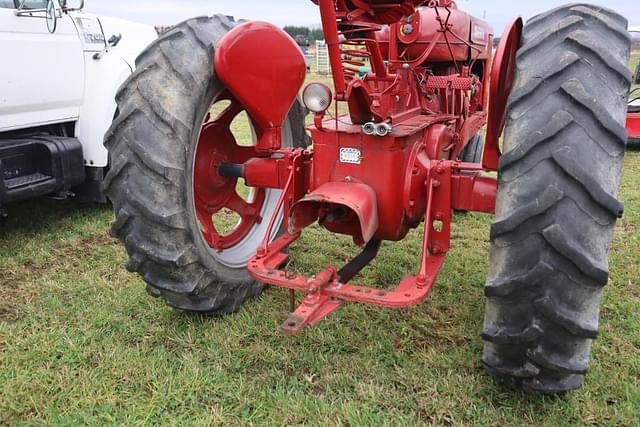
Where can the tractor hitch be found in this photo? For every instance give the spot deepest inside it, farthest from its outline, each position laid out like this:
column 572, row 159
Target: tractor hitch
column 449, row 185
column 329, row 289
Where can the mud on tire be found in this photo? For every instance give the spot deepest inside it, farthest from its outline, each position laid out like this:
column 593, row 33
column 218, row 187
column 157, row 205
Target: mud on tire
column 151, row 144
column 556, row 208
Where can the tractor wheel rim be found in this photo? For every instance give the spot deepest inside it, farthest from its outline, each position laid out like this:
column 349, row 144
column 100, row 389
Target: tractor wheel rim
column 215, row 197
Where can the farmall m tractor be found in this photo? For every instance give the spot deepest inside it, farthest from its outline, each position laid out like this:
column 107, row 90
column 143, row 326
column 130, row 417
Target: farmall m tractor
column 406, row 152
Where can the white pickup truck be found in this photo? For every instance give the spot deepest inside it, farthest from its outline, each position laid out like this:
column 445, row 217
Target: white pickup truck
column 61, row 69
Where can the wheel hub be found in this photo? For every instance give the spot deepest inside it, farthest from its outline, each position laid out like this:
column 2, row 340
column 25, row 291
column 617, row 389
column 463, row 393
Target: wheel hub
column 217, row 198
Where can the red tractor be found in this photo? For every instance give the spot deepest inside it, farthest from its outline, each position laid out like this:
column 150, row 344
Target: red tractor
column 407, row 152
column 633, row 118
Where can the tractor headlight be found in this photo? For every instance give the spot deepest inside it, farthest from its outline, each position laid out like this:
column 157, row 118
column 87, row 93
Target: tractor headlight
column 317, row 97
column 369, row 128
column 383, row 129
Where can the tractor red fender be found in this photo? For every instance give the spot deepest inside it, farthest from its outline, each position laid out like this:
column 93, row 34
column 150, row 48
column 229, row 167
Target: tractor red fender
column 358, row 198
column 633, row 126
column 263, row 68
column 502, row 75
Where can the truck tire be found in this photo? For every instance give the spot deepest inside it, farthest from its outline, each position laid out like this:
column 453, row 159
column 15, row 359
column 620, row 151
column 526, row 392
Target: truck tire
column 153, row 143
column 556, row 208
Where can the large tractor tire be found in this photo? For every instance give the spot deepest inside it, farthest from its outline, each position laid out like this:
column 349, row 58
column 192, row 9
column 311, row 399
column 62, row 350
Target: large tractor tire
column 162, row 183
column 556, row 208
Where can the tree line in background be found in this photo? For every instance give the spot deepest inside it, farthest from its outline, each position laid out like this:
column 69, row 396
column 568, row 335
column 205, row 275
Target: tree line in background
column 310, row 34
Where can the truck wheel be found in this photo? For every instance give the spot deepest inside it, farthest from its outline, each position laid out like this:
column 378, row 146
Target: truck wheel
column 556, row 207
column 188, row 231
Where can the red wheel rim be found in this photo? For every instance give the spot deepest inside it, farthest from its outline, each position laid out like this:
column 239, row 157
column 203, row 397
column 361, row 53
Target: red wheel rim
column 215, row 194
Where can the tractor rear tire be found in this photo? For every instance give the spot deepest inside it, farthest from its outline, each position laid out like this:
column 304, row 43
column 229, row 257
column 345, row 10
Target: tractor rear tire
column 151, row 144
column 556, row 209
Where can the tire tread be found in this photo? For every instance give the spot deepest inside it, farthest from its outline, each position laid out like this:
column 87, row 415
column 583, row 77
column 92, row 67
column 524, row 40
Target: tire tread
column 557, row 204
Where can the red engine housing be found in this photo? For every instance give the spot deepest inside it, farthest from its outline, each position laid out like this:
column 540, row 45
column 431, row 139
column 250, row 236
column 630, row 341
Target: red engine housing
column 470, row 37
column 399, row 197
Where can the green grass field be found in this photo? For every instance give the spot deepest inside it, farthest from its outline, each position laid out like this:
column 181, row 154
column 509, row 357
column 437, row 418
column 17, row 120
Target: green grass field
column 82, row 343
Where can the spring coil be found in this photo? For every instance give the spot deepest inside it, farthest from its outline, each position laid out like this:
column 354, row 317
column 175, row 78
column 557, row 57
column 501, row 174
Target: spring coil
column 354, row 49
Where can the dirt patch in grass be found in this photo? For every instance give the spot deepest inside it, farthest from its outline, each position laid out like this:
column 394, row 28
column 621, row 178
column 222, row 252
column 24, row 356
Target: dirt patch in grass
column 625, row 226
column 18, row 289
column 19, row 285
column 63, row 248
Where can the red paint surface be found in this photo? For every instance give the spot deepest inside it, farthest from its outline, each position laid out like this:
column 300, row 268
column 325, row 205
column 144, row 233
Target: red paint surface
column 502, row 74
column 263, row 68
column 633, row 125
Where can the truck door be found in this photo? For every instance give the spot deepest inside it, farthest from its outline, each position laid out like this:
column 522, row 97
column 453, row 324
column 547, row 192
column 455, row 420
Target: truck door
column 42, row 73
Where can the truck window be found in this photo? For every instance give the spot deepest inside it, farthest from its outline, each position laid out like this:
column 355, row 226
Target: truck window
column 34, row 4
column 28, row 4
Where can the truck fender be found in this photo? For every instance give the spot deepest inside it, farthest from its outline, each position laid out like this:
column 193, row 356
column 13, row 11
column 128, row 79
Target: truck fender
column 104, row 76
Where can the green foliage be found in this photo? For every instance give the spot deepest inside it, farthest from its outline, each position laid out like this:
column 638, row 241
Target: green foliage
column 316, row 34
column 296, row 31
column 312, row 34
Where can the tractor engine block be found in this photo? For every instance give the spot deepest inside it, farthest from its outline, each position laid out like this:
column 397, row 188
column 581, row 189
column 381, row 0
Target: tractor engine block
column 377, row 166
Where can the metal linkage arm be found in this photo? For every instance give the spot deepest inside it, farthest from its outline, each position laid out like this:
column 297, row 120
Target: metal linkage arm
column 329, row 289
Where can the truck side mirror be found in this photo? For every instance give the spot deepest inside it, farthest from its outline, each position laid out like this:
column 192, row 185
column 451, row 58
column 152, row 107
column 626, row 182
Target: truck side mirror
column 52, row 16
column 68, row 5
